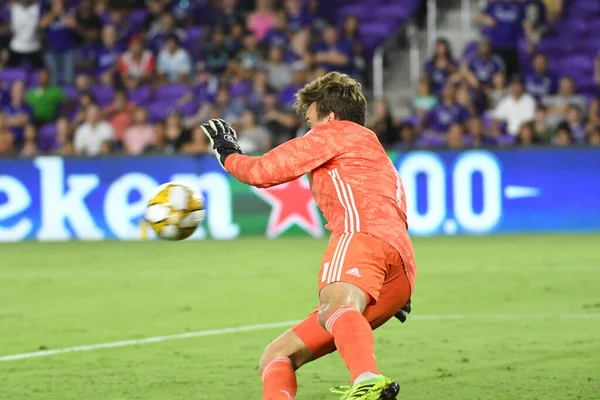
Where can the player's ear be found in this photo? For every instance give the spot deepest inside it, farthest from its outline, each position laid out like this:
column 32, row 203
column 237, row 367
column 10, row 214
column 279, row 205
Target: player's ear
column 330, row 116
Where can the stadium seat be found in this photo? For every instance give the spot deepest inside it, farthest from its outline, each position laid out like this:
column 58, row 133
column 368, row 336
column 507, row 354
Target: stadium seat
column 11, row 75
column 171, row 92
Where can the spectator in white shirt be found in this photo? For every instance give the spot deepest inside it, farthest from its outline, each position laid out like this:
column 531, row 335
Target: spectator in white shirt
column 92, row 136
column 515, row 109
column 174, row 62
column 25, row 43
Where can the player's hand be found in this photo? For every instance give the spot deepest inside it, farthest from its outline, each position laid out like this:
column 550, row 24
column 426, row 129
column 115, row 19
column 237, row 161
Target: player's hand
column 222, row 138
column 404, row 311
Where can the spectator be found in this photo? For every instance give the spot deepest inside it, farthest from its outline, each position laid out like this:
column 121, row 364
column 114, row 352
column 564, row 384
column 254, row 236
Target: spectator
column 90, row 136
column 141, row 135
column 7, row 145
column 287, row 96
column 597, row 69
column 61, row 43
column 424, row 101
column 78, row 116
column 156, row 9
column 17, row 114
column 249, row 57
column 167, row 28
column 174, row 133
column 456, row 137
column 227, row 16
column 334, row 54
column 440, row 69
column 563, row 136
column 64, row 134
column 281, row 123
column 30, row 147
column 120, row 114
column 481, row 67
column 251, row 137
column 526, row 136
column 498, row 90
column 554, row 9
column 540, row 82
column 407, row 137
column 350, row 31
column 448, row 112
column 88, row 25
column 198, row 144
column 594, row 137
column 279, row 72
column 83, row 83
column 174, row 62
column 45, row 99
column 25, row 43
column 351, row 35
column 542, row 131
column 464, row 98
column 222, row 106
column 382, row 123
column 278, row 35
column 297, row 19
column 160, row 145
column 108, row 56
column 557, row 104
column 262, row 19
column 576, row 123
column 515, row 109
column 594, row 111
column 535, row 22
column 137, row 64
column 216, row 54
column 260, row 88
column 503, row 25
column 476, row 130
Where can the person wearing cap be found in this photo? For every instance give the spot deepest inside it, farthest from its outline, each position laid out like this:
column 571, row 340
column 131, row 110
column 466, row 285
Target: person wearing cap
column 514, row 109
column 137, row 64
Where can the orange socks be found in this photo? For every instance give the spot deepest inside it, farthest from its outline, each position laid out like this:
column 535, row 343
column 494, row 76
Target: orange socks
column 354, row 340
column 279, row 380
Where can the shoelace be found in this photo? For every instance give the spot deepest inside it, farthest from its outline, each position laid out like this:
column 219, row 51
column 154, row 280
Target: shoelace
column 340, row 389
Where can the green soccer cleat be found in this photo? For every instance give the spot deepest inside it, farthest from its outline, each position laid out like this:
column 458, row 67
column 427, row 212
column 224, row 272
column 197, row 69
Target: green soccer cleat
column 379, row 388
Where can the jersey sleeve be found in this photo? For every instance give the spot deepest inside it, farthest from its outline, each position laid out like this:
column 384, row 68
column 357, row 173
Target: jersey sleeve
column 287, row 162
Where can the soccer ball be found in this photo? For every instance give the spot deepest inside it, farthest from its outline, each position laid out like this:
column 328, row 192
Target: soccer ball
column 174, row 211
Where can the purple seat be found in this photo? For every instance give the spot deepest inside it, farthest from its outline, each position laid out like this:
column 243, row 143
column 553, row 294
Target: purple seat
column 359, row 10
column 506, row 140
column 189, row 109
column 171, row 92
column 47, row 138
column 103, row 94
column 374, row 29
column 141, row 95
column 71, row 92
column 193, row 36
column 240, row 89
column 159, row 110
column 394, row 11
column 11, row 75
column 577, row 62
column 136, row 19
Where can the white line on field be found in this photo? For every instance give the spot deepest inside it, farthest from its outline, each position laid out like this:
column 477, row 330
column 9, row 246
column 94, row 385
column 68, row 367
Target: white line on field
column 249, row 328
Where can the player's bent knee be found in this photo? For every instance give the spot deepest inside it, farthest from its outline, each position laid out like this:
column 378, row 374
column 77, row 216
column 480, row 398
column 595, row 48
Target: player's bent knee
column 287, row 345
column 339, row 294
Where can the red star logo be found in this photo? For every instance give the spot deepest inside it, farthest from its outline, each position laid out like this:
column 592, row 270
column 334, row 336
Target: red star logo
column 292, row 203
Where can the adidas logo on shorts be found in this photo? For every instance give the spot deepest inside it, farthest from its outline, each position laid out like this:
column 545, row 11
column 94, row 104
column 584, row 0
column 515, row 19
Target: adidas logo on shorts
column 353, row 271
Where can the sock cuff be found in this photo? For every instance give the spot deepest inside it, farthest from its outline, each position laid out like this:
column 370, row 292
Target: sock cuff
column 337, row 313
column 273, row 362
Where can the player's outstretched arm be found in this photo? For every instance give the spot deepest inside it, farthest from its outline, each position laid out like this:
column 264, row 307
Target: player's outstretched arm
column 282, row 164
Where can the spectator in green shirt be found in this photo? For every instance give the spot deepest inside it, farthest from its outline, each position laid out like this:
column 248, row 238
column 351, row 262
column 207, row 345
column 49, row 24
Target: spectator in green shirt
column 45, row 100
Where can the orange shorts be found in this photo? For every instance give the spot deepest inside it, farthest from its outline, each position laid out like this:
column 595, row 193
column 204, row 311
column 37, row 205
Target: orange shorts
column 368, row 263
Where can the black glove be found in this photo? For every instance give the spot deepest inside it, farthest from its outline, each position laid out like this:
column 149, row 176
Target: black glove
column 404, row 311
column 223, row 139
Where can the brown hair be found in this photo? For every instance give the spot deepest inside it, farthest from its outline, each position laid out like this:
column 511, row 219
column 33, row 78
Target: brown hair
column 337, row 93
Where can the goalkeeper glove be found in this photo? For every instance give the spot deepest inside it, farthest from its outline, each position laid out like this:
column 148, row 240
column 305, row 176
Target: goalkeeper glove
column 222, row 138
column 404, row 311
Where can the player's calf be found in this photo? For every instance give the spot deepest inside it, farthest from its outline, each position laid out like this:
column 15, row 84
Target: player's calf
column 278, row 364
column 340, row 313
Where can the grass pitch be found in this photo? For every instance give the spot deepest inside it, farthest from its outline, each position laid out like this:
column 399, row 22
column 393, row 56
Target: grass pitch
column 505, row 317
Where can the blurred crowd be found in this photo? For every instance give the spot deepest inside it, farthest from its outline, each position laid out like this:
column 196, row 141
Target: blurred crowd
column 94, row 77
column 503, row 91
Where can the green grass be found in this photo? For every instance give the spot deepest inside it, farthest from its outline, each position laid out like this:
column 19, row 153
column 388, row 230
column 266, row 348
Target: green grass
column 524, row 334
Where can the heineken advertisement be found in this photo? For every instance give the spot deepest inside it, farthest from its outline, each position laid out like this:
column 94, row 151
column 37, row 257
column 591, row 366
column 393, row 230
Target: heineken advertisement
column 471, row 192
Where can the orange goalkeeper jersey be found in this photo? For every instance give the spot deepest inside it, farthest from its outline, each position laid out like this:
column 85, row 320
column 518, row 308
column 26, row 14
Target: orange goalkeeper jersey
column 352, row 179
